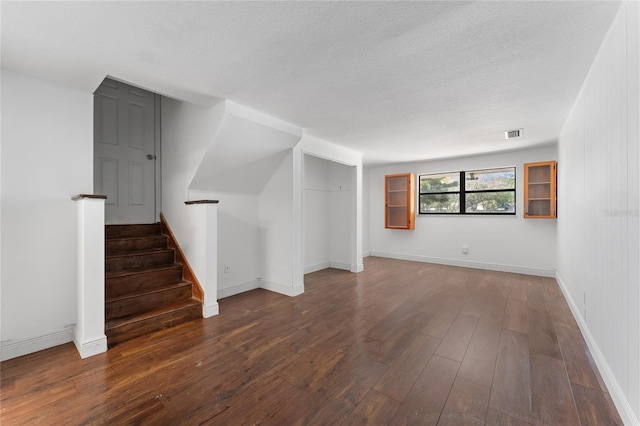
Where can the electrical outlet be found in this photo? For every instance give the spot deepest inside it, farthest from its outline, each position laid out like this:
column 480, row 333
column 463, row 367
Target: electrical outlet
column 227, row 269
column 465, row 249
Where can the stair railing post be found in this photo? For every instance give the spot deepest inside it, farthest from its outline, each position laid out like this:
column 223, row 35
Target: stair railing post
column 89, row 336
column 207, row 254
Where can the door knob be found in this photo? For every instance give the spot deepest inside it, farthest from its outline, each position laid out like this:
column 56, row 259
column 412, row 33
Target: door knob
column 151, row 157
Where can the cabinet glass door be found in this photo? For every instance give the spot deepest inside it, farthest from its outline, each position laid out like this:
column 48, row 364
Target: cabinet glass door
column 540, row 190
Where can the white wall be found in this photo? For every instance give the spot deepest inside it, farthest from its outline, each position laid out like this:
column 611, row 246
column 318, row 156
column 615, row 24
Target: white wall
column 238, row 241
column 242, row 158
column 344, row 157
column 366, row 246
column 187, row 130
column 598, row 230
column 505, row 243
column 47, row 149
column 226, row 153
column 328, row 227
column 244, row 152
column 341, row 221
column 317, row 254
column 277, row 231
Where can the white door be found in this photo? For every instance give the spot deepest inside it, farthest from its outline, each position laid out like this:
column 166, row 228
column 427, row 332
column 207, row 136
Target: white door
column 124, row 152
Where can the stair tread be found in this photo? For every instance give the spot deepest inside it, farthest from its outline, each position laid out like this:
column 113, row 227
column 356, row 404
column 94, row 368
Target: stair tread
column 148, row 291
column 123, row 240
column 116, row 241
column 140, row 237
column 131, row 230
column 137, row 260
column 119, row 322
column 142, row 270
column 138, row 253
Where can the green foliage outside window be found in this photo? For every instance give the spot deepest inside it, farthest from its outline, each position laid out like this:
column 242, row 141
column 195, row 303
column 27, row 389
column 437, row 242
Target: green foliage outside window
column 490, row 191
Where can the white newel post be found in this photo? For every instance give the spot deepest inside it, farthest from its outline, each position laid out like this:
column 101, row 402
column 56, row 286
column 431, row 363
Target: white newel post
column 89, row 336
column 206, row 262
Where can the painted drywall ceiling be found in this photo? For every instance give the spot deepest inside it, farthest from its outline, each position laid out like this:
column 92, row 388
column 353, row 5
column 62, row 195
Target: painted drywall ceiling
column 398, row 81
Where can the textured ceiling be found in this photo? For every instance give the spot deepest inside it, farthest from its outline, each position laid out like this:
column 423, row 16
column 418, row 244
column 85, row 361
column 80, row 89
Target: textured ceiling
column 398, row 81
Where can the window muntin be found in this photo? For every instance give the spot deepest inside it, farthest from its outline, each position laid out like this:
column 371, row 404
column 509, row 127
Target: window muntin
column 488, row 191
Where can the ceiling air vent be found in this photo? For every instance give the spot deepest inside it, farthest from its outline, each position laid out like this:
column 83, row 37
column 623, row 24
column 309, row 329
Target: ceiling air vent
column 510, row 134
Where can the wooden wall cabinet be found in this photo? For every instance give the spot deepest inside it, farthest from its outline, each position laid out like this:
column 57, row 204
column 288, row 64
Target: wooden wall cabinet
column 399, row 201
column 540, row 190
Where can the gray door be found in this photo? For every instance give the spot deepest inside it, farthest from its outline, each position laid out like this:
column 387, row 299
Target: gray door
column 124, row 152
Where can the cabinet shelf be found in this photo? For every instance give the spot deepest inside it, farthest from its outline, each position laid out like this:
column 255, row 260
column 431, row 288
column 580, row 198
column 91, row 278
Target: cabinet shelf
column 540, row 190
column 399, row 197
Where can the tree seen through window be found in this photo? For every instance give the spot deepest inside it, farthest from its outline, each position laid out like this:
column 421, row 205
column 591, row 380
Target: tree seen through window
column 490, row 191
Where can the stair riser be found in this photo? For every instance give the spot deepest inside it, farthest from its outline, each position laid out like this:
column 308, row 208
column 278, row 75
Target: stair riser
column 160, row 322
column 124, row 263
column 123, row 246
column 131, row 284
column 129, row 231
column 146, row 302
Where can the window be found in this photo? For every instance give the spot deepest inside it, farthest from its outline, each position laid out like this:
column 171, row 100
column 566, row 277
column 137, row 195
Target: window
column 489, row 191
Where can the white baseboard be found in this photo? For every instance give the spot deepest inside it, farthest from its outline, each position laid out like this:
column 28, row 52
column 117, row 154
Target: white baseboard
column 325, row 265
column 237, row 289
column 468, row 264
column 366, row 253
column 209, row 311
column 619, row 398
column 15, row 348
column 340, row 265
column 317, row 267
column 359, row 267
column 282, row 289
column 92, row 347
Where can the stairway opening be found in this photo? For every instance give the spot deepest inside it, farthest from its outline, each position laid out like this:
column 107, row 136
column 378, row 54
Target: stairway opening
column 145, row 289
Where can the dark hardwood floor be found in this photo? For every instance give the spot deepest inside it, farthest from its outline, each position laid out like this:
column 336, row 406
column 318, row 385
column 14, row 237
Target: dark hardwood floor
column 401, row 343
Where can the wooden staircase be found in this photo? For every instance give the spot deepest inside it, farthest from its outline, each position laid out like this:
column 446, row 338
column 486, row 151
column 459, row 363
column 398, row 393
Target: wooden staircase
column 144, row 286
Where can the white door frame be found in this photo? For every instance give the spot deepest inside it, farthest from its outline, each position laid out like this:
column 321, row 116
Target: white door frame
column 158, row 146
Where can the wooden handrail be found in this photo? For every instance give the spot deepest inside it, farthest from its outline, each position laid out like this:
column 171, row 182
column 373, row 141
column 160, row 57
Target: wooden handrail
column 189, row 203
column 196, row 290
column 83, row 196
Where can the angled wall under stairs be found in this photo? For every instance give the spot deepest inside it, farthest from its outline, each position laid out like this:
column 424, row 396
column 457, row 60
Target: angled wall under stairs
column 144, row 286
